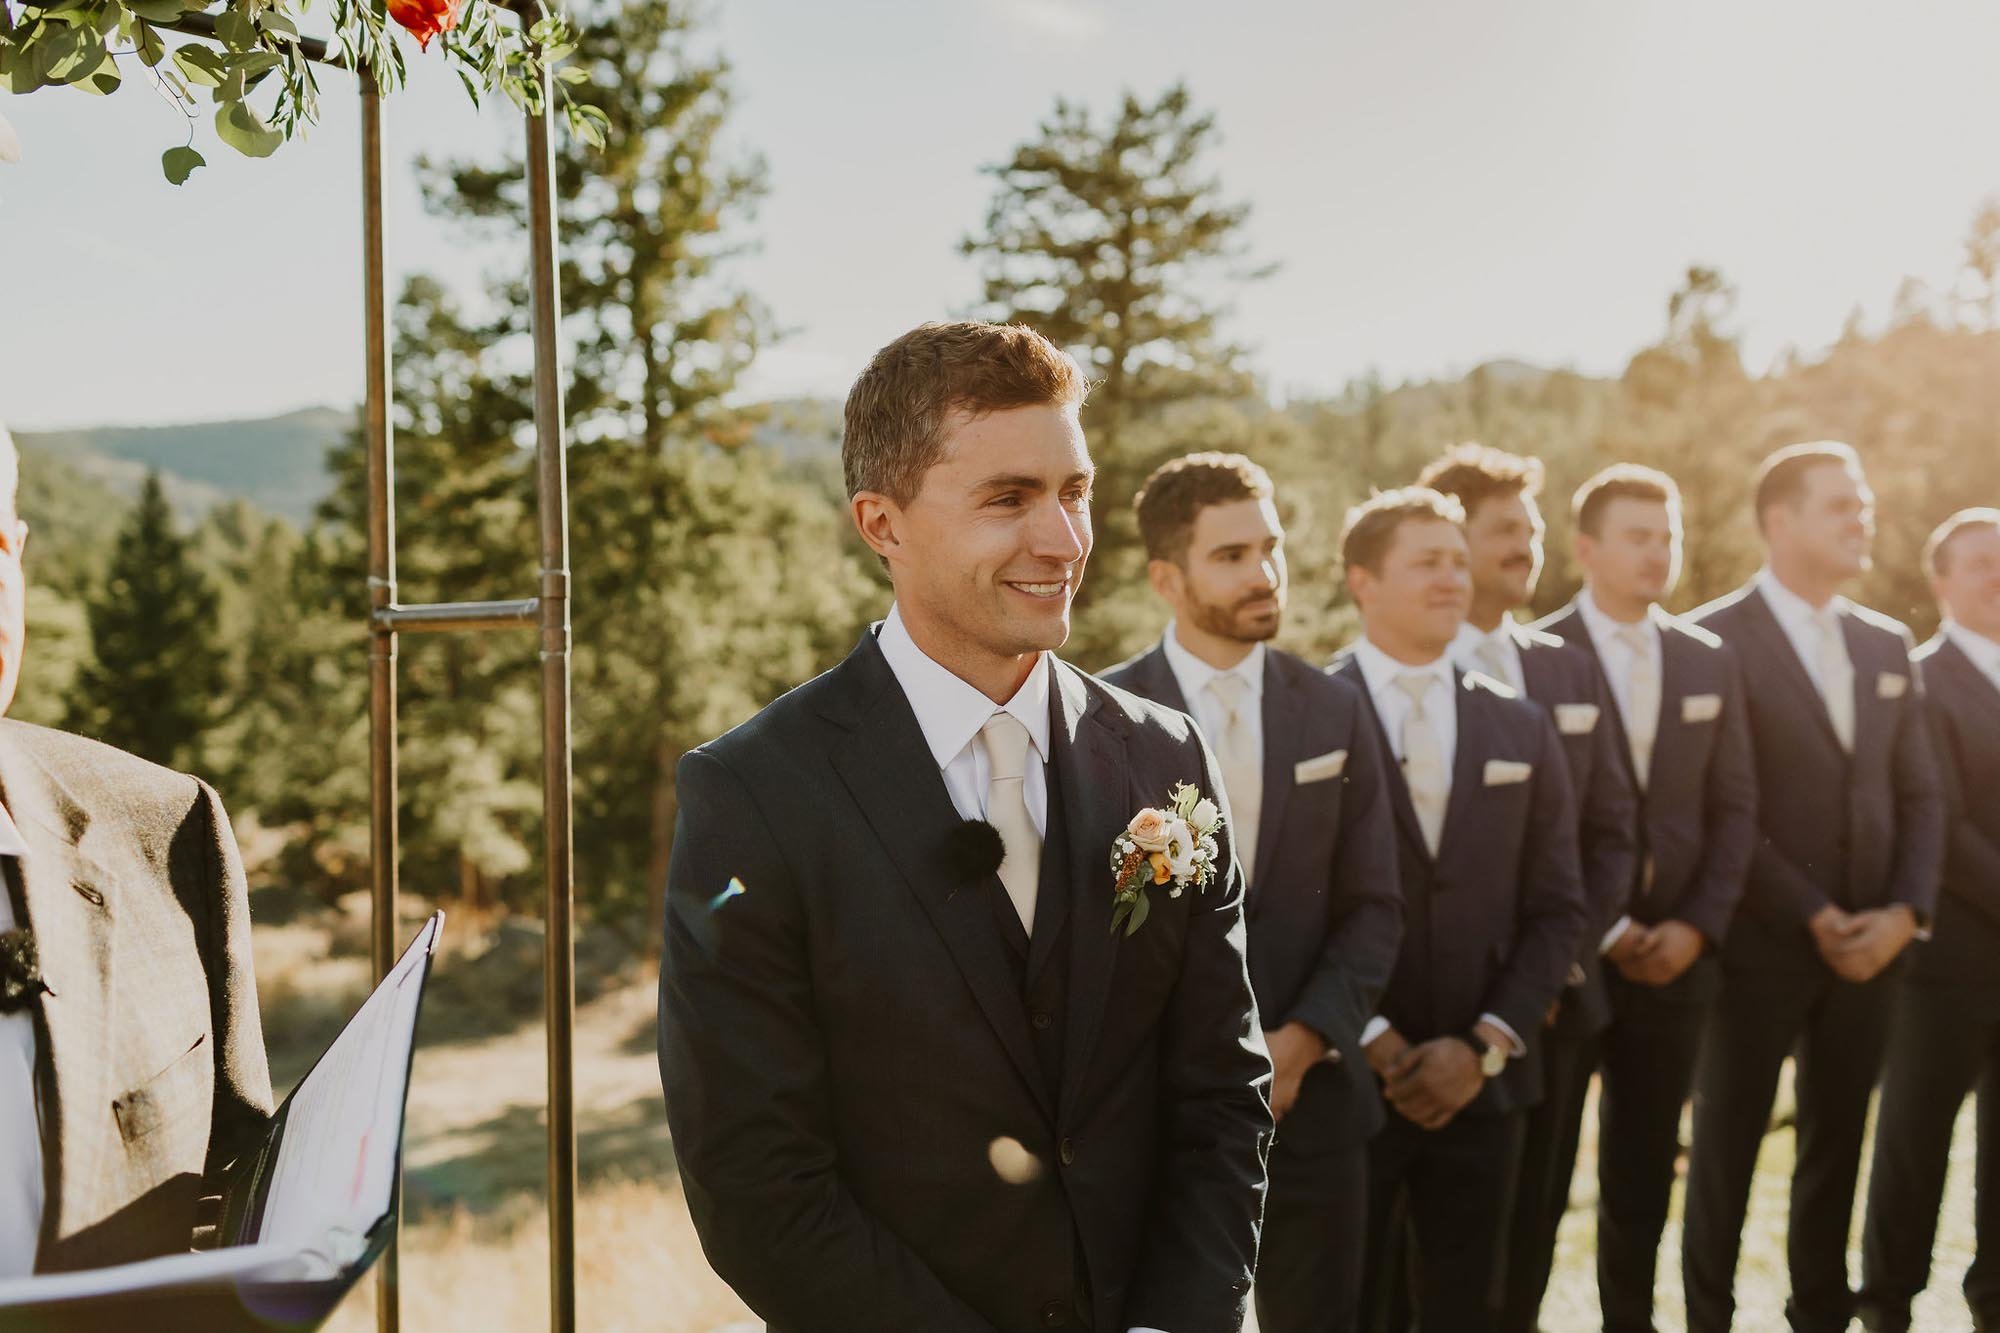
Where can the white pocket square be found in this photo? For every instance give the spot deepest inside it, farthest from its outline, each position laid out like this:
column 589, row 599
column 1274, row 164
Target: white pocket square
column 1319, row 769
column 1505, row 772
column 1889, row 685
column 1701, row 708
column 1576, row 719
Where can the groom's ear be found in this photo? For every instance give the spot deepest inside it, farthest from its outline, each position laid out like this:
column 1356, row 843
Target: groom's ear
column 879, row 520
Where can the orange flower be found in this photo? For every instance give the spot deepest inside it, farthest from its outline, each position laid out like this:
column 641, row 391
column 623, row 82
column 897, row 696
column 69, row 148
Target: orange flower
column 425, row 18
column 1161, row 872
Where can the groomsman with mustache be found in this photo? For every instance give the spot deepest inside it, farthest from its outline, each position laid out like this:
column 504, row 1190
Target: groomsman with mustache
column 1945, row 1035
column 1309, row 806
column 1681, row 733
column 1845, row 873
column 1493, row 909
column 1503, row 529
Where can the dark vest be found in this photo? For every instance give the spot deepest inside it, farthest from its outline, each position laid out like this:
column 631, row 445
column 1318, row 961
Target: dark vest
column 1041, row 966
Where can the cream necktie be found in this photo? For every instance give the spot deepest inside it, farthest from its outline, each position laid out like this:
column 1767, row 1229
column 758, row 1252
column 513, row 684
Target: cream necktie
column 1493, row 661
column 1007, row 745
column 1642, row 699
column 1836, row 675
column 1423, row 759
column 1242, row 772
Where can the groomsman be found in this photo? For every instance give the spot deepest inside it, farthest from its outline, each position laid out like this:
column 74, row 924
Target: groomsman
column 1503, row 532
column 1493, row 908
column 1682, row 738
column 1302, row 775
column 1845, row 872
column 1945, row 1034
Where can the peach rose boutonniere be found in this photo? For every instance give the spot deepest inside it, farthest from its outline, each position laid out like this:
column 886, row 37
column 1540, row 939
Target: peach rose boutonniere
column 1175, row 846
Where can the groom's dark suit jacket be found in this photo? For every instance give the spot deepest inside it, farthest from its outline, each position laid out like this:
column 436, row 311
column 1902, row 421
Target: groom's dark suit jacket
column 876, row 1126
column 1491, row 922
column 151, row 1055
column 1325, row 910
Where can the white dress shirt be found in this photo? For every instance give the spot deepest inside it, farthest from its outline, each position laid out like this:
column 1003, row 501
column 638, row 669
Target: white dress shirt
column 1193, row 676
column 951, row 712
column 1466, row 651
column 1984, row 652
column 1617, row 654
column 20, row 1111
column 1392, row 704
column 1798, row 618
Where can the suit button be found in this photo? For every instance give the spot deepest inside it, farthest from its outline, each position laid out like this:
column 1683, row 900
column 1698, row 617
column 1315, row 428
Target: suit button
column 1067, row 1152
column 1055, row 1315
column 1041, row 1019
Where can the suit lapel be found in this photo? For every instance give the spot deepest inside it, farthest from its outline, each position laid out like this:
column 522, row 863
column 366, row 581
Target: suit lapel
column 1468, row 763
column 1283, row 720
column 1399, row 788
column 1675, row 686
column 1763, row 621
column 1572, row 630
column 889, row 770
column 1871, row 715
column 71, row 923
column 1158, row 682
column 1098, row 799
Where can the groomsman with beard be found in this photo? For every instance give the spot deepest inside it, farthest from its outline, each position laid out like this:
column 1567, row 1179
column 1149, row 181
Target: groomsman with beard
column 1844, row 875
column 1945, row 1035
column 1306, row 795
column 1503, row 532
column 920, row 1076
column 1682, row 737
column 1493, row 909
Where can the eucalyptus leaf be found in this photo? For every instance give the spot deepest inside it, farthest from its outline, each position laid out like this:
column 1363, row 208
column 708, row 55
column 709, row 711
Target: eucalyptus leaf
column 104, row 80
column 254, row 63
column 235, row 29
column 179, row 163
column 158, row 11
column 199, row 65
column 242, row 129
column 151, row 49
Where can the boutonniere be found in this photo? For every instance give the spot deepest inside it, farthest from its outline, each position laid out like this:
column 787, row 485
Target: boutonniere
column 1175, row 845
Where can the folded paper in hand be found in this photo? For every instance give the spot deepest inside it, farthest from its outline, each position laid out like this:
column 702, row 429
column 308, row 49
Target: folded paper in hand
column 311, row 1205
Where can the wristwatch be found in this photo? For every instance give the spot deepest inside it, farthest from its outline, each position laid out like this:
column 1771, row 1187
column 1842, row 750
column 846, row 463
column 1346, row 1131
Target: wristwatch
column 1492, row 1059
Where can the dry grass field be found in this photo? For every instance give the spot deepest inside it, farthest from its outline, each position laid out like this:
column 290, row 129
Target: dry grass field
column 474, row 1240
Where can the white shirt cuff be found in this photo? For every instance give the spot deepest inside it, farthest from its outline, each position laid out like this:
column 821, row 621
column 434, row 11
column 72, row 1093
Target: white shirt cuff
column 1515, row 1047
column 1613, row 935
column 1374, row 1028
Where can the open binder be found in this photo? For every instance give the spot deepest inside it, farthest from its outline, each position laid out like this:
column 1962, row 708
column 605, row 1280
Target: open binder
column 303, row 1217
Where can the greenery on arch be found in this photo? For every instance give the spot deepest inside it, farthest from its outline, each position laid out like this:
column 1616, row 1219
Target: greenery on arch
column 250, row 73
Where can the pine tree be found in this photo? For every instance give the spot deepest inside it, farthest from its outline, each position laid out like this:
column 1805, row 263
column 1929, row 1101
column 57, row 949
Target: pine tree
column 157, row 668
column 1112, row 239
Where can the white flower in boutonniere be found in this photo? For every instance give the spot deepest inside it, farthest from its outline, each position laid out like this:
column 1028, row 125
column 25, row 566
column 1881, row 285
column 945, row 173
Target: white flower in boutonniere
column 1174, row 846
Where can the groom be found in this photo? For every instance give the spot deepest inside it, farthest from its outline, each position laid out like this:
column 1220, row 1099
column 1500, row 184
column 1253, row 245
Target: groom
column 916, row 1080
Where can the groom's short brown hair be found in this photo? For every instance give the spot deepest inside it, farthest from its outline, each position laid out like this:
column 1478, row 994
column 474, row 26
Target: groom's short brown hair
column 898, row 409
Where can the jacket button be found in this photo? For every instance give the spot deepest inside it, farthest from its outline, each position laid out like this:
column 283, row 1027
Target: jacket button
column 1055, row 1315
column 1067, row 1152
column 1041, row 1019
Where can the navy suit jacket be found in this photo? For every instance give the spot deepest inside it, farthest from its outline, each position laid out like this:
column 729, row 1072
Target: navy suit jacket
column 1569, row 685
column 1325, row 908
column 1860, row 831
column 1698, row 811
column 1964, row 710
column 845, row 1048
column 1491, row 923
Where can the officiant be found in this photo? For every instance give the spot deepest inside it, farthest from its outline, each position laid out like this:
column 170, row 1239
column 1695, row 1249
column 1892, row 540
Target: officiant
column 132, row 1062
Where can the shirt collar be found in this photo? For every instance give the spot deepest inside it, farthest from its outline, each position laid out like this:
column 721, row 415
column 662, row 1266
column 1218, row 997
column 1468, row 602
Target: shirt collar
column 1193, row 675
column 1793, row 611
column 1603, row 629
column 1379, row 670
column 949, row 711
column 1470, row 637
column 11, row 841
column 1984, row 652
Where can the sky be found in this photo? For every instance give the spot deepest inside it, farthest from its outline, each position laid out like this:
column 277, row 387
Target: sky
column 1440, row 182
